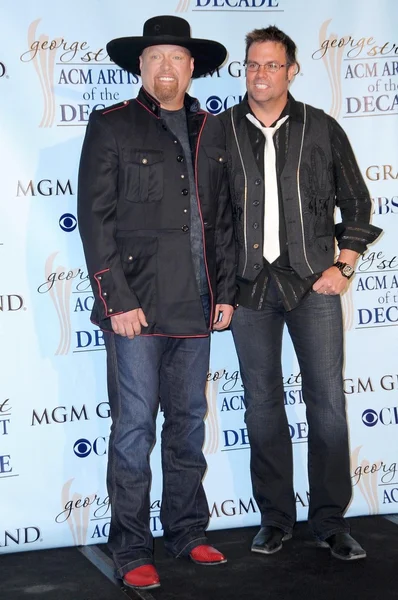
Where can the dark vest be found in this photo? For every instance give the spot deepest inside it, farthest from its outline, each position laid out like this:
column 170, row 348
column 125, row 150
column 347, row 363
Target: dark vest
column 307, row 190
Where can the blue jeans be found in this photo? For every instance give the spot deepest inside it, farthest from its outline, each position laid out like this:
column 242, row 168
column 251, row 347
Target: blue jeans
column 141, row 373
column 316, row 329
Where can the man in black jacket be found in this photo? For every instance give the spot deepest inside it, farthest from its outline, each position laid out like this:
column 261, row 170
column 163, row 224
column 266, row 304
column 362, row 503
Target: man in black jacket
column 156, row 226
column 291, row 165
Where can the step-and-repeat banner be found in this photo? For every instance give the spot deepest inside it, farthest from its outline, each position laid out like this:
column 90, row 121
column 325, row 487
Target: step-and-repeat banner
column 54, row 415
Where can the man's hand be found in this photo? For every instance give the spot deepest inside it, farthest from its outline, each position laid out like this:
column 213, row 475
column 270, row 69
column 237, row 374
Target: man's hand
column 129, row 324
column 331, row 282
column 226, row 311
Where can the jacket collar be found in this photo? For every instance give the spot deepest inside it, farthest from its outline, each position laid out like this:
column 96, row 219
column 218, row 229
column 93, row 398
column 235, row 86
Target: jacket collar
column 191, row 104
column 293, row 108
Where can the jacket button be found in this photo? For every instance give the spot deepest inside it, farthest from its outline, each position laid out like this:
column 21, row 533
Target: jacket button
column 99, row 278
column 256, row 203
column 180, row 158
column 130, row 257
column 257, row 266
column 182, row 176
column 144, row 161
column 185, row 228
column 257, row 182
column 185, row 210
column 205, row 223
column 255, row 225
column 220, row 159
column 110, row 310
column 184, row 192
column 104, row 294
column 175, row 141
column 256, row 246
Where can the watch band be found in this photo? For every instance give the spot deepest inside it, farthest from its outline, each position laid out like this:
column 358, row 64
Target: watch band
column 345, row 269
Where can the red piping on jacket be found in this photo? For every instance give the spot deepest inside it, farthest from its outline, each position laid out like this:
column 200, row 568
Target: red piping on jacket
column 201, row 217
column 125, row 103
column 146, row 108
column 100, row 293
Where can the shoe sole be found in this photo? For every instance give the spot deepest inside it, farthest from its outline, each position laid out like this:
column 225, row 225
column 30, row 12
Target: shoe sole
column 141, row 587
column 346, row 558
column 208, row 564
column 260, row 550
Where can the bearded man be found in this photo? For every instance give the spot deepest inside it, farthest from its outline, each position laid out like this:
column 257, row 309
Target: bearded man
column 156, row 225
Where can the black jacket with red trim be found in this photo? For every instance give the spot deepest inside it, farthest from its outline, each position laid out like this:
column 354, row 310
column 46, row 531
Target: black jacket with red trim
column 134, row 216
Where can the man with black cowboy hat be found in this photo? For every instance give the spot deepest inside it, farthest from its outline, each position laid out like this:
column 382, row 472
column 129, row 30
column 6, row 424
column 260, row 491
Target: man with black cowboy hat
column 156, row 225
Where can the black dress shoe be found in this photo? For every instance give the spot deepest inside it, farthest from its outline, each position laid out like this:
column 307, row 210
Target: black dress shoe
column 344, row 547
column 269, row 540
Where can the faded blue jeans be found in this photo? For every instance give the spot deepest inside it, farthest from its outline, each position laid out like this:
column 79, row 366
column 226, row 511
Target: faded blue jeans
column 316, row 329
column 141, row 373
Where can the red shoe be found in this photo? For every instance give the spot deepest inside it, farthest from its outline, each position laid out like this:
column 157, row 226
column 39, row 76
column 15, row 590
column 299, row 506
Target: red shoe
column 145, row 577
column 207, row 555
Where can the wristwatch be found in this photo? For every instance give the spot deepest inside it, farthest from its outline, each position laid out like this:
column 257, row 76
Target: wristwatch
column 344, row 268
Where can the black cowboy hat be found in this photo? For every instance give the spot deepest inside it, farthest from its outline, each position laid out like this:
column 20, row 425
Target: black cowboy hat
column 125, row 52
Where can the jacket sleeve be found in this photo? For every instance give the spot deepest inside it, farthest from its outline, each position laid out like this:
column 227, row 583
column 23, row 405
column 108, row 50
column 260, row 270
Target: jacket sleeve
column 225, row 240
column 352, row 197
column 97, row 200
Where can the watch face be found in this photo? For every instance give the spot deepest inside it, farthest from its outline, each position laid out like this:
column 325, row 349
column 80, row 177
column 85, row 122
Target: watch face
column 347, row 270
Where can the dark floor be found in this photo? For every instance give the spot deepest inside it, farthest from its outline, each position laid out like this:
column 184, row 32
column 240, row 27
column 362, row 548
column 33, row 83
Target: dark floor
column 61, row 574
column 301, row 571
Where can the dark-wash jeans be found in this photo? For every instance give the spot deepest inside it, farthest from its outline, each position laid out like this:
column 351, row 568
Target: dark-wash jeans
column 316, row 329
column 142, row 372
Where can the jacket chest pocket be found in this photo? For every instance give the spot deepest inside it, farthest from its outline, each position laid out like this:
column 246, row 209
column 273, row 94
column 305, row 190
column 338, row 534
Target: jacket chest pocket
column 217, row 160
column 142, row 175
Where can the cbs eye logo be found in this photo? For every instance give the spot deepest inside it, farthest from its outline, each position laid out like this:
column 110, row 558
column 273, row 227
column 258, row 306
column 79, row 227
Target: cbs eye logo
column 82, row 448
column 214, row 105
column 68, row 222
column 370, row 417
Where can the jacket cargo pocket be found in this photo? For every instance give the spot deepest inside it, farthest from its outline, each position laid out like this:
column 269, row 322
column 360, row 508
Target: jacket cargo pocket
column 139, row 258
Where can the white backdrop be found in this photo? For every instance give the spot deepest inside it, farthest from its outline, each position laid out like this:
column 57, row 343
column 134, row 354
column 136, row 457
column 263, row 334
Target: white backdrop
column 54, row 416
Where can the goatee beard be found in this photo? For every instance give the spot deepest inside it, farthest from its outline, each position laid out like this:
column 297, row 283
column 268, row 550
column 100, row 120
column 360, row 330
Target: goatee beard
column 166, row 92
